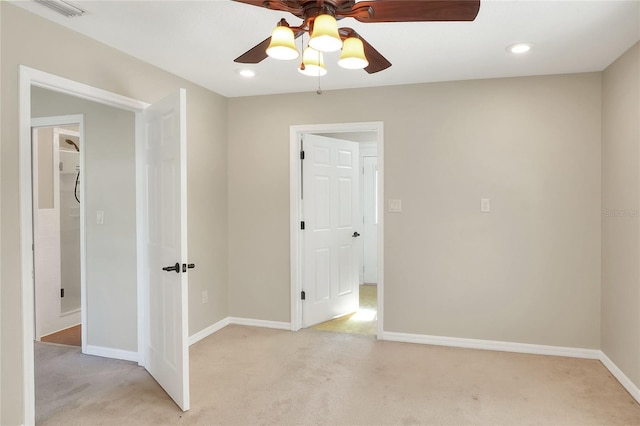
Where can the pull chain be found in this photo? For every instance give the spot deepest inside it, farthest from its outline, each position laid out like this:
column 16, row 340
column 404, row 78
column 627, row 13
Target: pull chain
column 319, row 91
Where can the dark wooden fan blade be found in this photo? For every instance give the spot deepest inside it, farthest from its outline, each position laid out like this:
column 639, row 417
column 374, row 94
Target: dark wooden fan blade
column 259, row 3
column 258, row 53
column 377, row 62
column 416, row 10
column 292, row 6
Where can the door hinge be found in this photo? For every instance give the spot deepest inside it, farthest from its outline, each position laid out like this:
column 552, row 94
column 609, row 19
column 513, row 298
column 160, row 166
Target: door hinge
column 302, row 225
column 303, row 295
column 302, row 155
column 62, row 292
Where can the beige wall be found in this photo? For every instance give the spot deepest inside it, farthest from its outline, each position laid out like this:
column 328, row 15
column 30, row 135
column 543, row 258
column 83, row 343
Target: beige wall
column 527, row 272
column 32, row 41
column 620, row 218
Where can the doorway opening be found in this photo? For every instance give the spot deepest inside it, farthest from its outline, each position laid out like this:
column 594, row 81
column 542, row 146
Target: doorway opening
column 58, row 229
column 147, row 124
column 336, row 177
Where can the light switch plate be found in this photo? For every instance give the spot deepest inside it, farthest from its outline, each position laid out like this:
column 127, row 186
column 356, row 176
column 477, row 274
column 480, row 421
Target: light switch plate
column 485, row 205
column 395, row 206
column 99, row 217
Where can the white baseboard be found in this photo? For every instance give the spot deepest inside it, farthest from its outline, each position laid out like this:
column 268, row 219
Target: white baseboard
column 209, row 331
column 633, row 390
column 524, row 348
column 239, row 321
column 491, row 345
column 112, row 353
column 260, row 323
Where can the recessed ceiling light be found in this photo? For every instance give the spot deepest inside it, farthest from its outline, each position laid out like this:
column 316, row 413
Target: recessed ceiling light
column 247, row 73
column 520, row 48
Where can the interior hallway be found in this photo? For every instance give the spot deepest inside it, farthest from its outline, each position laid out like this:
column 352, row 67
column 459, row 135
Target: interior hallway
column 70, row 336
column 363, row 321
column 245, row 375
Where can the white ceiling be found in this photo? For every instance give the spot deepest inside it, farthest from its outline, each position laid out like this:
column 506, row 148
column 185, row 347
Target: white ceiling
column 198, row 40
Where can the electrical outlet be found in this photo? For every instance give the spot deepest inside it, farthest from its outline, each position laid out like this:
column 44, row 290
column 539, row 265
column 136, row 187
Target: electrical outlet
column 395, row 206
column 205, row 296
column 99, row 217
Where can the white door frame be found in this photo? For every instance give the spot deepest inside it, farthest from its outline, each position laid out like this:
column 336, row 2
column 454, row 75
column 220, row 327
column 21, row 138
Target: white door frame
column 68, row 120
column 295, row 132
column 29, row 77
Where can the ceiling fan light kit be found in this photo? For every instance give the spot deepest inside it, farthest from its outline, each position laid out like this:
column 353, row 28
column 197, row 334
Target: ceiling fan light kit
column 325, row 36
column 312, row 63
column 353, row 56
column 282, row 45
column 320, row 20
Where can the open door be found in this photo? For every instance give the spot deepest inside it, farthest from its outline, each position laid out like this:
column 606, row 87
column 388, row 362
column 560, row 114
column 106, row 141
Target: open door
column 165, row 208
column 330, row 207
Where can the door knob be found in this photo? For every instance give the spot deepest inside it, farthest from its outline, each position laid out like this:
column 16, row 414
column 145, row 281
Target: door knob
column 190, row 266
column 175, row 267
column 355, row 234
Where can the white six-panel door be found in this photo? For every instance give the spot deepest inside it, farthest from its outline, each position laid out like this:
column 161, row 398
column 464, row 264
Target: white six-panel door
column 46, row 237
column 330, row 208
column 370, row 216
column 166, row 235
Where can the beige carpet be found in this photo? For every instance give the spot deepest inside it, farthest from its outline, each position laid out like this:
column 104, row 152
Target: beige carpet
column 363, row 321
column 246, row 376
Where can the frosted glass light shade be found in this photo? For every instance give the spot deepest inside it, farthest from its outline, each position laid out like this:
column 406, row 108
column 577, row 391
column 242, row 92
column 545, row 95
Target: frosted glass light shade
column 282, row 45
column 325, row 37
column 353, row 54
column 312, row 63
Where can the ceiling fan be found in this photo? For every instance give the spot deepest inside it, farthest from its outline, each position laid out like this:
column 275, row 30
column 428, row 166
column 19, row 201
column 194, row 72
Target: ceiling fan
column 320, row 22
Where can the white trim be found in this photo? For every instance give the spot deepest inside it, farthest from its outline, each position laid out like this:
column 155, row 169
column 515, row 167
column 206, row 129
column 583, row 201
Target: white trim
column 295, row 206
column 80, row 90
column 523, row 348
column 294, row 234
column 206, row 332
column 58, row 120
column 626, row 382
column 112, row 353
column 31, row 77
column 491, row 345
column 141, row 246
column 260, row 323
